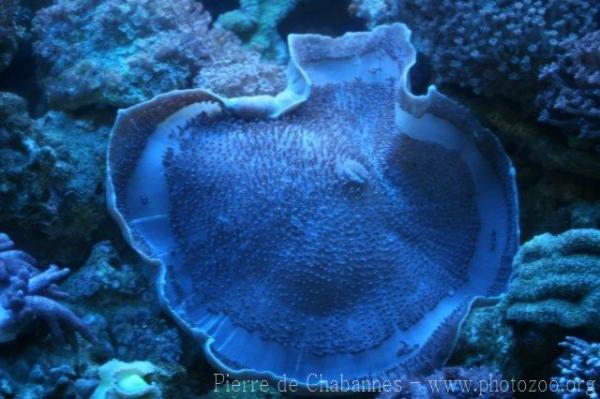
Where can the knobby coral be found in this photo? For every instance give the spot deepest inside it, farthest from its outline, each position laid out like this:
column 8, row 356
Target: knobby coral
column 571, row 94
column 119, row 53
column 27, row 293
column 557, row 281
column 341, row 226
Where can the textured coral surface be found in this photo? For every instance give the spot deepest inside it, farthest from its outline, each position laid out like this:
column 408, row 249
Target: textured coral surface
column 356, row 242
column 126, row 52
column 556, row 281
column 571, row 97
column 492, row 47
column 579, row 362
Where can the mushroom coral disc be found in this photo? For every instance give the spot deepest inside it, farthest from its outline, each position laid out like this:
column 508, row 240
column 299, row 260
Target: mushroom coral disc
column 340, row 228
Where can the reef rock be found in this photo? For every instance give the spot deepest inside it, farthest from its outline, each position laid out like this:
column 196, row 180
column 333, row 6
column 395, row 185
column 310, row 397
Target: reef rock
column 342, row 226
column 557, row 281
column 120, row 53
column 131, row 326
column 9, row 32
column 571, row 97
column 486, row 338
column 51, row 178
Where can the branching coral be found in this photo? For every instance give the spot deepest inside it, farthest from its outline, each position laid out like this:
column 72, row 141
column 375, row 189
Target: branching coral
column 571, row 95
column 27, row 293
column 120, row 380
column 557, row 281
column 579, row 368
column 119, row 53
column 492, row 47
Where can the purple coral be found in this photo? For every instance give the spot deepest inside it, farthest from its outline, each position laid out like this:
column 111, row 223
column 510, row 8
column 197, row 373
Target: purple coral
column 492, row 47
column 571, row 96
column 27, row 293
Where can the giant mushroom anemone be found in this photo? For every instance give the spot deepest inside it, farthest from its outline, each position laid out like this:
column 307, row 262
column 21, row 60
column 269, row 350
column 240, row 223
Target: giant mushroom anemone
column 341, row 227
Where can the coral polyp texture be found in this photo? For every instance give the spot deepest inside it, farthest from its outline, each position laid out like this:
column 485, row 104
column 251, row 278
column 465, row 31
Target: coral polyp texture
column 27, row 293
column 492, row 47
column 571, row 97
column 119, row 53
column 580, row 363
column 556, row 281
column 342, row 226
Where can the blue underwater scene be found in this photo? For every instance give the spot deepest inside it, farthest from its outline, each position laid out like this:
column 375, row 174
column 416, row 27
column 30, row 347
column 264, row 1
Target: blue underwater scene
column 269, row 199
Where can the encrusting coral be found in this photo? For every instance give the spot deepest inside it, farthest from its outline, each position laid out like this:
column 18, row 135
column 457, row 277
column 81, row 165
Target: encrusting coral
column 119, row 53
column 557, row 281
column 29, row 293
column 571, row 94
